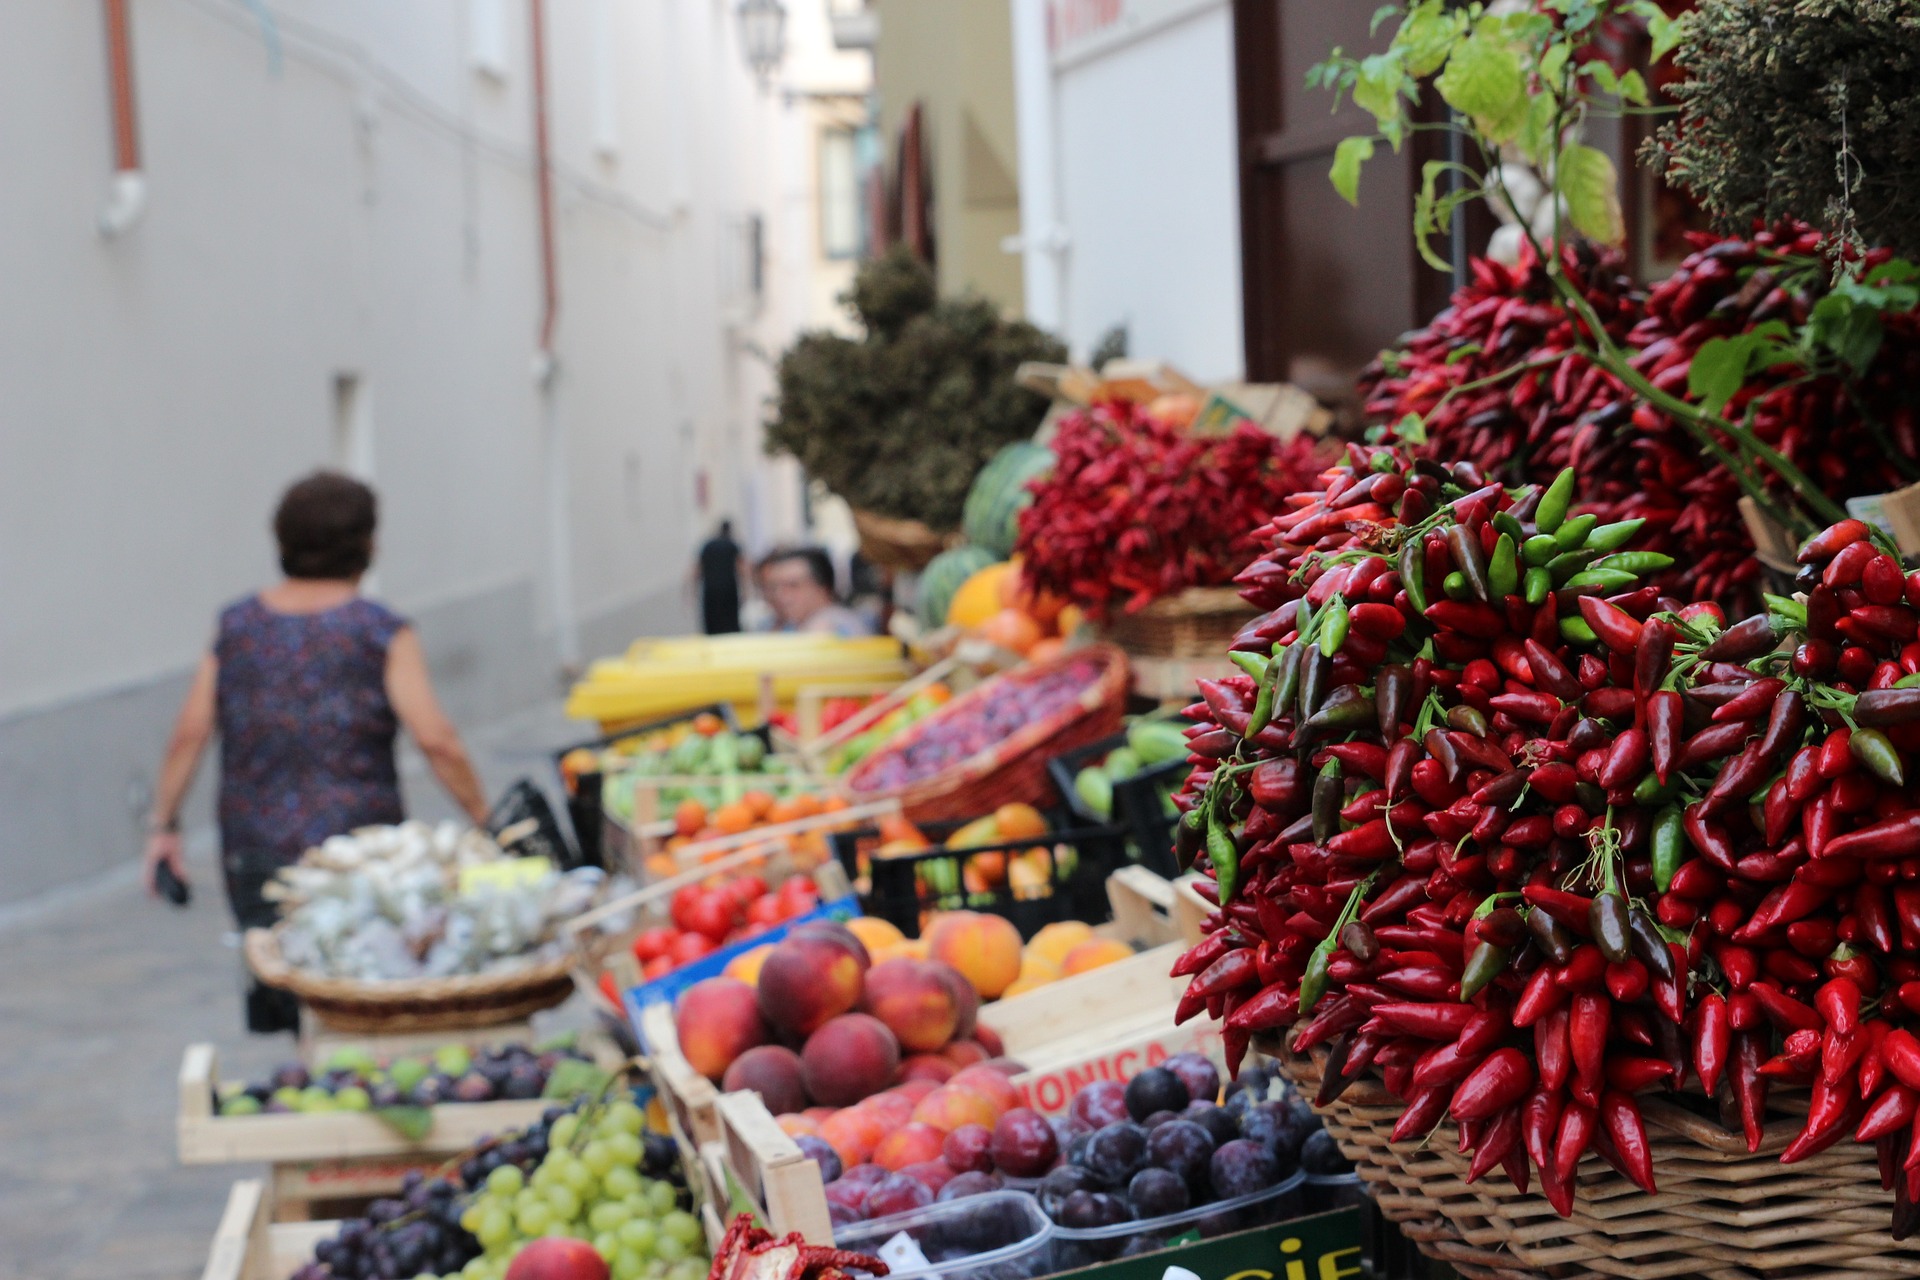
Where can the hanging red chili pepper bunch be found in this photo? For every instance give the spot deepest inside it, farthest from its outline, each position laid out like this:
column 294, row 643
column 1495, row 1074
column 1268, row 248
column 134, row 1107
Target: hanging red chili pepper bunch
column 1528, row 839
column 1135, row 509
column 1631, row 460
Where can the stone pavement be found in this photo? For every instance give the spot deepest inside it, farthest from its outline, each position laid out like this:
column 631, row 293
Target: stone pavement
column 102, row 991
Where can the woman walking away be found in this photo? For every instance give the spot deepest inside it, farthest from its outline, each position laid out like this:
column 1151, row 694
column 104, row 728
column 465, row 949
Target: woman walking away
column 306, row 684
column 716, row 572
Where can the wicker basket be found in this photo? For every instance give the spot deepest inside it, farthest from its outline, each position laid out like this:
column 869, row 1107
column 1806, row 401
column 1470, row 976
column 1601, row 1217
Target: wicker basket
column 897, row 543
column 1719, row 1213
column 1196, row 623
column 1015, row 769
column 423, row 1004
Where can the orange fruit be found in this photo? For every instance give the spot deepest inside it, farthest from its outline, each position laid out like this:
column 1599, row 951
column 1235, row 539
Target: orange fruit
column 1046, row 650
column 806, row 804
column 689, row 816
column 874, row 933
column 1094, row 953
column 937, row 694
column 759, row 803
column 1019, row 822
column 732, row 819
column 1013, row 630
column 707, row 724
column 833, row 804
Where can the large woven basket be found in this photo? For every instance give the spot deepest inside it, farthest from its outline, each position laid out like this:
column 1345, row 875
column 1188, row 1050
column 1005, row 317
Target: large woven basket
column 1720, row 1212
column 1015, row 769
column 897, row 543
column 423, row 1004
column 1196, row 623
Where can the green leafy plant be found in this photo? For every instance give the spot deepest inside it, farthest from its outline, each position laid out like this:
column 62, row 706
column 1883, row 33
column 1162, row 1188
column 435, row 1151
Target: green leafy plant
column 899, row 421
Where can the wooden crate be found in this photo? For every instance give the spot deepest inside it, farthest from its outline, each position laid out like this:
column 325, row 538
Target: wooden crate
column 688, row 1096
column 318, row 1041
column 249, row 1245
column 1190, row 910
column 331, row 1154
column 755, row 1167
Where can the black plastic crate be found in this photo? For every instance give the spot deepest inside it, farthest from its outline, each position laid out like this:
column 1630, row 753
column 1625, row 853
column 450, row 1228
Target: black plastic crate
column 1137, row 809
column 902, row 886
column 584, row 812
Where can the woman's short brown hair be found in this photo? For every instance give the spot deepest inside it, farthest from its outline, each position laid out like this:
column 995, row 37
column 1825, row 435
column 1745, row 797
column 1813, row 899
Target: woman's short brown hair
column 325, row 527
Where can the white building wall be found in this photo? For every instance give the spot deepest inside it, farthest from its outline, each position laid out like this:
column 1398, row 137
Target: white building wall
column 342, row 192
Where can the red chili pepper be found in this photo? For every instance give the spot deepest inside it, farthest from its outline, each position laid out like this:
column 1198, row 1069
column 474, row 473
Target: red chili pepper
column 1832, row 540
column 1587, row 1034
column 1786, row 1013
column 1540, row 996
column 1424, row 1110
column 1893, row 837
column 1552, row 1049
column 1230, row 972
column 1712, row 742
column 1803, row 775
column 1571, row 909
column 1709, row 837
column 1749, row 1086
column 1575, row 1135
column 1204, row 953
column 1618, row 630
column 1500, row 1081
column 1620, row 1115
column 1711, row 1039
column 1626, row 760
column 1892, row 1111
column 1838, row 1002
column 1783, row 904
column 1902, row 1055
column 1830, row 1114
column 1756, row 699
column 1448, row 1063
column 1272, row 1007
column 1665, row 712
column 1499, row 1141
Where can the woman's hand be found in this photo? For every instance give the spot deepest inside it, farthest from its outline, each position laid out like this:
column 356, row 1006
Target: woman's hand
column 162, row 846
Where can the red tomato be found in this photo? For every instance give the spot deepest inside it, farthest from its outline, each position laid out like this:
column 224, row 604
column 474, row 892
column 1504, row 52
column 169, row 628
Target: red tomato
column 653, row 943
column 660, row 965
column 687, row 948
column 746, row 889
column 713, row 915
column 765, row 910
column 797, row 897
column 683, row 903
column 610, row 989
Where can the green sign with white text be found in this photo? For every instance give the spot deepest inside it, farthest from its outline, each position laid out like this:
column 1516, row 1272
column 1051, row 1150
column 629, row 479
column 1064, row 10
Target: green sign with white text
column 1325, row 1246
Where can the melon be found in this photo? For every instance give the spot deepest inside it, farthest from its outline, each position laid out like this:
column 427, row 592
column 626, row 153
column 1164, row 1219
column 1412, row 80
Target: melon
column 981, row 596
column 943, row 577
column 991, row 518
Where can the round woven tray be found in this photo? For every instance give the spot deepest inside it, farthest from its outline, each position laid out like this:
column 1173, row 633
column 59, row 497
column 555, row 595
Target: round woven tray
column 422, row 1004
column 1720, row 1212
column 1015, row 769
column 1199, row 622
column 896, row 543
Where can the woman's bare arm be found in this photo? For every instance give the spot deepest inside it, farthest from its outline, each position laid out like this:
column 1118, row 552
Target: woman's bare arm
column 192, row 730
column 410, row 690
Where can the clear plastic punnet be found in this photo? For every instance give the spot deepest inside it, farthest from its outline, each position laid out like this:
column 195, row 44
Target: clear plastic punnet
column 1001, row 1235
column 1082, row 1247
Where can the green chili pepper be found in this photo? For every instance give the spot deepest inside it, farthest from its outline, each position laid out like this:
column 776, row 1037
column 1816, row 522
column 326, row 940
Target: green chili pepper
column 1329, row 794
column 1483, row 966
column 1413, row 574
column 1313, row 982
column 1635, row 562
column 1611, row 537
column 1539, row 582
column 1504, row 521
column 1346, row 709
column 1554, row 502
column 1669, row 846
column 1251, row 663
column 1503, row 568
column 1907, row 682
column 1576, row 631
column 1573, row 533
column 1468, row 720
column 1316, row 669
column 1611, row 928
column 1333, row 625
column 1455, row 585
column 1600, row 580
column 1650, row 790
column 1464, row 546
column 1287, row 684
column 1225, row 856
column 1263, row 701
column 1189, row 837
column 1876, row 751
column 1565, row 565
column 1540, row 548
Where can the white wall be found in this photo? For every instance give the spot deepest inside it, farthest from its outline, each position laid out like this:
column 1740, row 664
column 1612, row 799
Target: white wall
column 1147, row 185
column 364, row 203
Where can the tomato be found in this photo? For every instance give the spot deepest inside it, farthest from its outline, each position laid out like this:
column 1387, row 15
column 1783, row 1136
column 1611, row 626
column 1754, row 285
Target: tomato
column 686, row 948
column 797, row 897
column 746, row 889
column 653, row 943
column 711, row 914
column 683, row 903
column 765, row 910
column 660, row 965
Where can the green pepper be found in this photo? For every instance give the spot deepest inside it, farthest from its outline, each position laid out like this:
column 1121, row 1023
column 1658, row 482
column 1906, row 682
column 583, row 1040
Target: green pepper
column 1573, row 533
column 1607, row 917
column 1650, row 790
column 1464, row 546
column 1611, row 537
column 1565, row 565
column 1262, row 714
column 1876, row 751
column 1538, row 583
column 1505, row 522
column 1600, row 580
column 1539, row 549
column 1455, row 586
column 1251, row 663
column 1316, row 669
column 1346, row 709
column 1468, row 720
column 1413, row 573
column 1483, row 966
column 1329, row 797
column 1635, row 562
column 1503, row 568
column 1225, row 856
column 1313, row 982
column 1907, row 681
column 1333, row 625
column 1189, row 837
column 1576, row 631
column 1287, row 683
column 1554, row 502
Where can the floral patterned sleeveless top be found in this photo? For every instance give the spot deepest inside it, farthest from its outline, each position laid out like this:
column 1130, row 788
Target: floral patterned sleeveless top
column 305, row 726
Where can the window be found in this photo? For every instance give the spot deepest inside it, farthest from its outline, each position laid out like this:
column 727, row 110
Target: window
column 839, row 193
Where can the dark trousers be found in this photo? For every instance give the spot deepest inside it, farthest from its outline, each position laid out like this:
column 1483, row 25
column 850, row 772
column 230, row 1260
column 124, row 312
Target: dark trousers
column 719, row 612
column 247, row 871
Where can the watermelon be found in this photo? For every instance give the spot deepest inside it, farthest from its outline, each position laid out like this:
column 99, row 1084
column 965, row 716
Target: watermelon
column 991, row 518
column 943, row 576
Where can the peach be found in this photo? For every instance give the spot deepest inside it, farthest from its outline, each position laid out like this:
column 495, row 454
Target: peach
column 915, row 1089
column 875, row 934
column 985, row 949
column 819, row 1114
column 965, row 1053
column 853, row 1134
column 932, row 1174
column 966, row 1001
column 948, row 1107
column 927, row 1066
column 1094, row 953
column 797, row 1124
column 848, row 1058
column 1049, row 947
column 746, row 965
column 909, row 1144
column 894, row 1108
column 773, row 1072
column 834, row 931
column 990, row 1083
column 717, row 1020
column 989, row 1039
column 915, row 1002
column 810, row 978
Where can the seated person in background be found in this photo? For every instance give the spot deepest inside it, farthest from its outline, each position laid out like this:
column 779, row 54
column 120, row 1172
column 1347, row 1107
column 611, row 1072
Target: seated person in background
column 798, row 583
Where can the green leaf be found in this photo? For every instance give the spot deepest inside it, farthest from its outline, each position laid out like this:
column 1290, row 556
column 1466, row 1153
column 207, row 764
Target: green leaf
column 1537, row 140
column 1484, row 81
column 1552, row 61
column 1411, row 430
column 1894, row 271
column 1464, row 351
column 1633, row 89
column 1666, row 33
column 1427, row 37
column 1602, row 74
column 1347, row 159
column 1592, row 191
column 1377, row 85
column 1718, row 370
column 411, row 1123
column 1380, row 15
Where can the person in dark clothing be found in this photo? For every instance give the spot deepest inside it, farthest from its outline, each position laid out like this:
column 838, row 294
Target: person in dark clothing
column 718, row 568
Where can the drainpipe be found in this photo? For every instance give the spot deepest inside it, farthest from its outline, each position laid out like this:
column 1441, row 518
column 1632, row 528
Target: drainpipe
column 1042, row 242
column 545, row 368
column 127, row 193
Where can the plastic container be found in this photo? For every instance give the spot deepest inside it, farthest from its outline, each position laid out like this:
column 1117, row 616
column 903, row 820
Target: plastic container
column 659, row 677
column 1001, row 1235
column 1138, row 801
column 903, row 886
column 1074, row 1248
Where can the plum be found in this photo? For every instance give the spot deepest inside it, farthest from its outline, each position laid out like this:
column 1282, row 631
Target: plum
column 1242, row 1167
column 851, row 1196
column 971, row 1183
column 866, row 1174
column 1157, row 1119
column 1222, row 1124
column 1184, row 1149
column 1155, row 1089
column 1320, row 1154
column 1088, row 1210
column 821, row 1153
column 897, row 1193
column 1061, row 1183
column 841, row 1216
column 1023, row 1143
column 1100, row 1104
column 1117, row 1152
column 967, row 1149
column 1198, row 1073
column 1155, row 1193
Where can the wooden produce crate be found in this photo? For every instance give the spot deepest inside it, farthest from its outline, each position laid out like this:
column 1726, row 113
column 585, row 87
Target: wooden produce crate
column 1190, row 910
column 249, row 1245
column 318, row 1041
column 328, row 1155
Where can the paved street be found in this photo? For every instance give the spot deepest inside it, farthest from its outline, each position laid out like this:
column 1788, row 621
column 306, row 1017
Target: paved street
column 104, row 989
